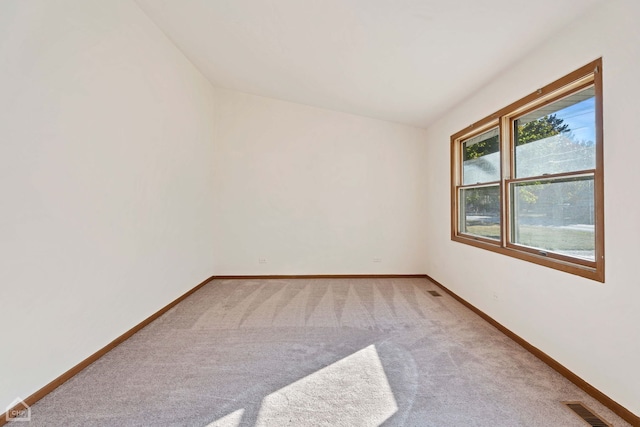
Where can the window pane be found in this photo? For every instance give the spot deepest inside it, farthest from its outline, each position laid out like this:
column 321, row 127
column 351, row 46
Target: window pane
column 480, row 211
column 481, row 158
column 555, row 216
column 557, row 138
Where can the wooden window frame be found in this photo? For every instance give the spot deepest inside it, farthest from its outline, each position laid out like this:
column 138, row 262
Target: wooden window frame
column 587, row 76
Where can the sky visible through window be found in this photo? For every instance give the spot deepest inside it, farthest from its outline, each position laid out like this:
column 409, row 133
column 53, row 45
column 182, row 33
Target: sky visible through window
column 581, row 120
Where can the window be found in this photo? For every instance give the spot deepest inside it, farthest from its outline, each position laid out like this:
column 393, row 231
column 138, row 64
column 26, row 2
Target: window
column 480, row 189
column 527, row 181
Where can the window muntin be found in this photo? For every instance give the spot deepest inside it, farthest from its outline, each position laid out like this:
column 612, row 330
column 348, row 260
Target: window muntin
column 547, row 204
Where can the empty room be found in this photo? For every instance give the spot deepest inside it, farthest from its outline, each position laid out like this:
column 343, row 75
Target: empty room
column 319, row 213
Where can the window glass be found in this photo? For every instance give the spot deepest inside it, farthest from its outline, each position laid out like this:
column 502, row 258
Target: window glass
column 555, row 216
column 481, row 158
column 480, row 208
column 558, row 137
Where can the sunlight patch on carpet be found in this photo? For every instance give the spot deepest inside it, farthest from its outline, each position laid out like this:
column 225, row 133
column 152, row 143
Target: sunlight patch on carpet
column 351, row 391
column 231, row 420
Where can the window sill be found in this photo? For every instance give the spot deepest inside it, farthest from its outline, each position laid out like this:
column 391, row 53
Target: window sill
column 593, row 273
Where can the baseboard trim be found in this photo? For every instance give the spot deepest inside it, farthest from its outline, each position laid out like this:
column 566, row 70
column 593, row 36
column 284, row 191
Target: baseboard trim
column 323, row 276
column 98, row 354
column 618, row 409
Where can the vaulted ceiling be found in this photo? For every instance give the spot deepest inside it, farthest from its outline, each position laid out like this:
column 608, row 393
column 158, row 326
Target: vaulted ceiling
column 407, row 61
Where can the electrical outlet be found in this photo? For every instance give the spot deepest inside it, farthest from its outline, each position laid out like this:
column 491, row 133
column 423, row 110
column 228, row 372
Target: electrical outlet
column 377, row 260
column 262, row 260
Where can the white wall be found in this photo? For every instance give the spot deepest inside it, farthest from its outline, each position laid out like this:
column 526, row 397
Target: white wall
column 127, row 179
column 591, row 328
column 105, row 168
column 313, row 191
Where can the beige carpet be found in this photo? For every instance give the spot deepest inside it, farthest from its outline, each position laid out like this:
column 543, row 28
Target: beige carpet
column 360, row 352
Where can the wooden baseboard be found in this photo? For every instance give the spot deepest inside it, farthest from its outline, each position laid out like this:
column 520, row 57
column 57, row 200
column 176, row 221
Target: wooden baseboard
column 324, row 276
column 588, row 388
column 620, row 410
column 98, row 354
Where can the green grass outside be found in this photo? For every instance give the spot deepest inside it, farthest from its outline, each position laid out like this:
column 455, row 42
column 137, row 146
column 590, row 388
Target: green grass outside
column 552, row 239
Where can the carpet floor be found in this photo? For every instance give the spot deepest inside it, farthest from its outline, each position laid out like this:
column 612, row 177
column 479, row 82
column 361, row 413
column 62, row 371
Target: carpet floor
column 317, row 352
